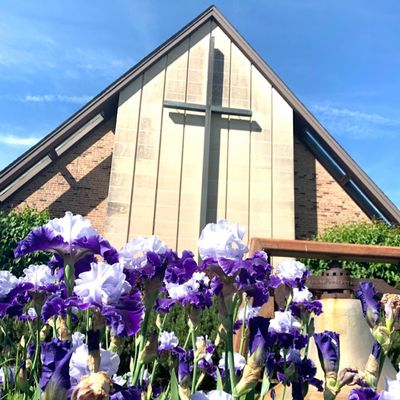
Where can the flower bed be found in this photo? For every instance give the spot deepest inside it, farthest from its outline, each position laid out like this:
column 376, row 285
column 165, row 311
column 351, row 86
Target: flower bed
column 79, row 327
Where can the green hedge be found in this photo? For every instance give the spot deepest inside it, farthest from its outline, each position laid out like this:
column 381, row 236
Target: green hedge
column 14, row 226
column 375, row 233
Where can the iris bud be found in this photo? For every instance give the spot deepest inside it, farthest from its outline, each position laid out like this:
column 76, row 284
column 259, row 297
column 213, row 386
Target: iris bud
column 96, row 386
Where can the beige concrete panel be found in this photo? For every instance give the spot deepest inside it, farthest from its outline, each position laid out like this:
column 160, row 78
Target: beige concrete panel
column 283, row 214
column 175, row 83
column 240, row 79
column 123, row 161
column 238, row 178
column 129, row 100
column 147, row 154
column 238, row 142
column 167, row 201
column 222, row 59
column 190, row 194
column 198, row 65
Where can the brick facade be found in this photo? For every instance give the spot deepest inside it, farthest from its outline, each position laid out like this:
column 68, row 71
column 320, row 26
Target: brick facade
column 320, row 201
column 77, row 182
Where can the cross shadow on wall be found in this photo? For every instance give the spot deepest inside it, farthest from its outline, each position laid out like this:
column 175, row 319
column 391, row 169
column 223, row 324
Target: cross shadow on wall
column 219, row 122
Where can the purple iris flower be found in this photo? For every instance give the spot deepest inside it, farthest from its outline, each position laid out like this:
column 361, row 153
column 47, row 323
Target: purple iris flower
column 313, row 306
column 105, row 287
column 54, row 305
column 167, row 341
column 13, row 295
column 292, row 273
column 306, row 371
column 302, row 303
column 195, row 291
column 222, row 240
column 71, row 237
column 369, row 303
column 206, row 363
column 184, row 376
column 251, row 276
column 238, row 360
column 55, row 357
column 29, row 315
column 328, row 347
column 144, row 259
column 285, row 329
column 180, row 269
column 363, row 394
column 260, row 339
column 125, row 317
column 36, row 283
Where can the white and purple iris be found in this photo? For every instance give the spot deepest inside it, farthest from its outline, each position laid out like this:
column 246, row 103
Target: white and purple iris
column 71, row 237
column 134, row 254
column 222, row 240
column 247, row 313
column 7, row 283
column 302, row 303
column 167, row 341
column 102, row 284
column 284, row 322
column 105, row 287
column 238, row 360
column 292, row 273
column 301, row 295
column 195, row 291
column 40, row 276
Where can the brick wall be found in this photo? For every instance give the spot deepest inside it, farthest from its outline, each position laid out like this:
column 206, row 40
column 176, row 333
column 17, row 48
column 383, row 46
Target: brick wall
column 320, row 200
column 77, row 182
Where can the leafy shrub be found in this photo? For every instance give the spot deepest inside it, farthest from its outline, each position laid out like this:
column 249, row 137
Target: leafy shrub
column 14, row 226
column 375, row 233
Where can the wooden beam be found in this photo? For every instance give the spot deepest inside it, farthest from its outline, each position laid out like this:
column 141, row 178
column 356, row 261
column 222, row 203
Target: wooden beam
column 326, row 251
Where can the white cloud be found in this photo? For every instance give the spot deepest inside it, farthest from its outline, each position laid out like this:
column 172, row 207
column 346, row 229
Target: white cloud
column 13, row 140
column 356, row 123
column 344, row 112
column 51, row 98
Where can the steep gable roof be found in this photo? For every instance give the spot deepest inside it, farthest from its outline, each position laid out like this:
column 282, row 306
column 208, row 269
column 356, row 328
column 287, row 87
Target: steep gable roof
column 352, row 178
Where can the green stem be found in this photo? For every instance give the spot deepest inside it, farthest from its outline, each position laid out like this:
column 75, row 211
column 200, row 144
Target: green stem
column 242, row 337
column 35, row 364
column 229, row 352
column 153, row 371
column 194, row 378
column 187, row 340
column 69, row 274
column 142, row 342
column 288, row 301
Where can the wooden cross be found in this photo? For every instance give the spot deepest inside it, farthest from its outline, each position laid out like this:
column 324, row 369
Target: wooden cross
column 209, row 109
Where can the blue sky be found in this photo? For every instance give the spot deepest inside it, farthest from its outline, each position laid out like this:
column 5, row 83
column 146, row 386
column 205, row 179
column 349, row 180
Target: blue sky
column 341, row 58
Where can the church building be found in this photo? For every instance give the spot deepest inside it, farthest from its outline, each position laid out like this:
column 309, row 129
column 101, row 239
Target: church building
column 200, row 129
